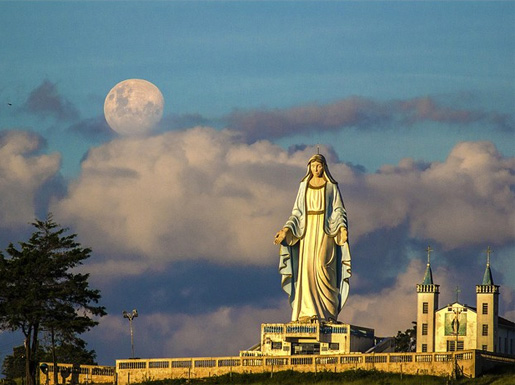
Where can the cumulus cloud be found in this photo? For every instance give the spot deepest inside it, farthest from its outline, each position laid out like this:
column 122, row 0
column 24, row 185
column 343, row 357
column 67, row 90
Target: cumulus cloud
column 375, row 310
column 223, row 332
column 202, row 194
column 226, row 330
column 357, row 112
column 45, row 100
column 193, row 194
column 22, row 173
column 465, row 200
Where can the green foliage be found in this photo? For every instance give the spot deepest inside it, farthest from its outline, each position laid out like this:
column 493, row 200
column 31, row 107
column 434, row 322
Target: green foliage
column 40, row 290
column 74, row 352
column 406, row 341
column 14, row 365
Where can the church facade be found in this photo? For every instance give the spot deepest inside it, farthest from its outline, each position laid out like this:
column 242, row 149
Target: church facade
column 458, row 326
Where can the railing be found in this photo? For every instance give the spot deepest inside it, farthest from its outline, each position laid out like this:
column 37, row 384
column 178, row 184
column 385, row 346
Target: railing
column 229, row 362
column 430, row 363
column 326, row 360
column 181, row 364
column 276, row 361
column 401, row 358
column 354, row 358
column 79, row 373
column 138, row 370
column 159, row 364
column 376, row 359
column 423, row 358
column 205, row 363
column 302, row 360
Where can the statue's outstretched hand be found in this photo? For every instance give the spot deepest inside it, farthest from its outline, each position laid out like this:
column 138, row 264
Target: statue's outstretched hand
column 279, row 237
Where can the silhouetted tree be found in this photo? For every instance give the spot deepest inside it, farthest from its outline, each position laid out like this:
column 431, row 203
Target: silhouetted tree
column 74, row 352
column 406, row 341
column 13, row 366
column 40, row 290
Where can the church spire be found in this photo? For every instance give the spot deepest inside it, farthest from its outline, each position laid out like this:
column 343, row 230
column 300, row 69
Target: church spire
column 487, row 277
column 427, row 305
column 428, row 276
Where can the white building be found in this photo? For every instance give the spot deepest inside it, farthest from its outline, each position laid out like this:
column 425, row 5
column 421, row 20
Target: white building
column 461, row 327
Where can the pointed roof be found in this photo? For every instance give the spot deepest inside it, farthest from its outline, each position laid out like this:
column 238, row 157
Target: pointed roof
column 428, row 276
column 487, row 277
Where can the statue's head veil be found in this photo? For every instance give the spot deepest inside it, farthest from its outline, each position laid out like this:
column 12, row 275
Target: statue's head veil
column 321, row 159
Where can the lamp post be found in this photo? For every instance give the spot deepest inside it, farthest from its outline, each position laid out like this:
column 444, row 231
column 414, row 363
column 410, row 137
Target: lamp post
column 457, row 311
column 130, row 317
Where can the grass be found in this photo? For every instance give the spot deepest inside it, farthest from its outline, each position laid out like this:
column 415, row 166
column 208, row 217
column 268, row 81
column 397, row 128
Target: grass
column 350, row 377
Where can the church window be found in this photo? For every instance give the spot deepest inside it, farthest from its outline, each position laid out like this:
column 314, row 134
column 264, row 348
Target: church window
column 424, row 329
column 424, row 348
column 485, row 330
column 451, row 345
column 461, row 345
column 425, row 307
column 485, row 308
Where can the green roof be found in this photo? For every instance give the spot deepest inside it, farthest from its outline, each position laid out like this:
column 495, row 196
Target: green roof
column 487, row 278
column 428, row 276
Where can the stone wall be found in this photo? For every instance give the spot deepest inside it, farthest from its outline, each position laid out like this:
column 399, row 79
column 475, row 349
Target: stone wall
column 78, row 374
column 470, row 363
column 440, row 364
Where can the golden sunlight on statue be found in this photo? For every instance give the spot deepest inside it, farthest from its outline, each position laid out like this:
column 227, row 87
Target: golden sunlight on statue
column 315, row 262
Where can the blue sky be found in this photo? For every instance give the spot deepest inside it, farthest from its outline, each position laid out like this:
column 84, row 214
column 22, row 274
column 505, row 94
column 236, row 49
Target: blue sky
column 412, row 100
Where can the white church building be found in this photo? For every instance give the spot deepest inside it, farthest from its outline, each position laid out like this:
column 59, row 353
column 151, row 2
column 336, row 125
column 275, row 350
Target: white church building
column 461, row 327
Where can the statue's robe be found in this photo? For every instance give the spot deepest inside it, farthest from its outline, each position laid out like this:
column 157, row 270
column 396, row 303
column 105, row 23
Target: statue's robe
column 315, row 262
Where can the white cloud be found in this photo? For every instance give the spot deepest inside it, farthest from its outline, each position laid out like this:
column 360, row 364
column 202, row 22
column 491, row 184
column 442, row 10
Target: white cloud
column 223, row 332
column 467, row 199
column 22, row 173
column 193, row 194
column 203, row 194
column 390, row 310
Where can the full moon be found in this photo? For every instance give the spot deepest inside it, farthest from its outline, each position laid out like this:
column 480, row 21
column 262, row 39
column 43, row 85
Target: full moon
column 133, row 107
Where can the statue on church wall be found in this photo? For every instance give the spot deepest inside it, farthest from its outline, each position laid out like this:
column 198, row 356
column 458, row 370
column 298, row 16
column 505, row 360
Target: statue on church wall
column 315, row 261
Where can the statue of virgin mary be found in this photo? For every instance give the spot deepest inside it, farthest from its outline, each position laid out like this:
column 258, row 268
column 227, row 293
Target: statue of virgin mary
column 315, row 261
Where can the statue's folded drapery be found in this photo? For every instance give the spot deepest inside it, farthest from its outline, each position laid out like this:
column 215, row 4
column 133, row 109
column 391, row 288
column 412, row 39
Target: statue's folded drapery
column 315, row 261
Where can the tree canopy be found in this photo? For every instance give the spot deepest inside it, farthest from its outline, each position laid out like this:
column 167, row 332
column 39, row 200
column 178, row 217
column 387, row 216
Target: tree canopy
column 13, row 366
column 41, row 289
column 406, row 341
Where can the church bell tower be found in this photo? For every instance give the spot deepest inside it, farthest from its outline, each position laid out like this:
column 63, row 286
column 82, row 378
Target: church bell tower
column 487, row 310
column 427, row 304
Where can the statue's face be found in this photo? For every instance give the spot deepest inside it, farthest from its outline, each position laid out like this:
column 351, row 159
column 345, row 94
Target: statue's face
column 317, row 169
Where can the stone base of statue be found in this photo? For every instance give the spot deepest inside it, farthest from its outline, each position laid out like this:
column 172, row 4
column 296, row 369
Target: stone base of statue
column 302, row 338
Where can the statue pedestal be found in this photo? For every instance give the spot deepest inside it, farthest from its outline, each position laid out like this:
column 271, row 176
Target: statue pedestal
column 301, row 338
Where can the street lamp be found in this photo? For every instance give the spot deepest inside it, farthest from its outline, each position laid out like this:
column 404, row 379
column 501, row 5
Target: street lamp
column 130, row 317
column 456, row 326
